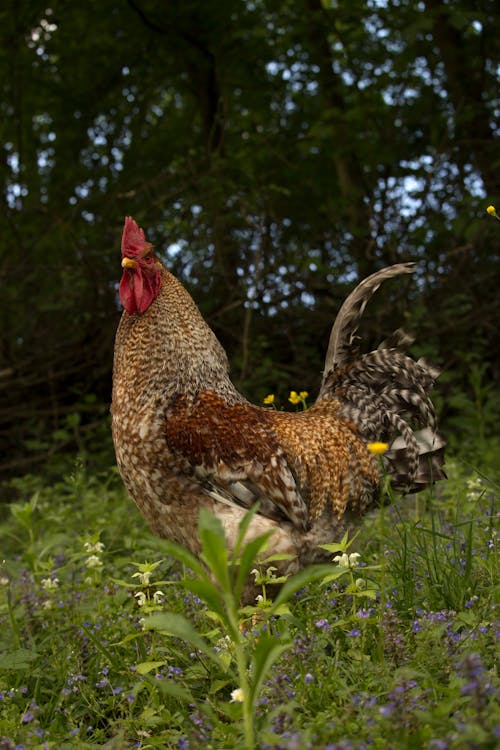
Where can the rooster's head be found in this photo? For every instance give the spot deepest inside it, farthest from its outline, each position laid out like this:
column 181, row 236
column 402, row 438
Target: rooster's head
column 141, row 278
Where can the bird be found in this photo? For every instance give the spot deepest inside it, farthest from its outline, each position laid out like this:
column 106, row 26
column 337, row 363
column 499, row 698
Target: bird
column 185, row 438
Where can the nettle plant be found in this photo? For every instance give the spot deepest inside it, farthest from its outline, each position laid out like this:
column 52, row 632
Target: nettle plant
column 245, row 642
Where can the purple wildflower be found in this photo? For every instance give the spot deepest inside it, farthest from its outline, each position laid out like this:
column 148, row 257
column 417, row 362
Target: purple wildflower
column 386, row 710
column 323, row 624
column 471, row 602
column 363, row 614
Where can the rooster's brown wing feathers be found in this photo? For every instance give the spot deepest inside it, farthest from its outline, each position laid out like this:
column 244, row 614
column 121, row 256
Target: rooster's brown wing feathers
column 294, row 465
column 235, row 453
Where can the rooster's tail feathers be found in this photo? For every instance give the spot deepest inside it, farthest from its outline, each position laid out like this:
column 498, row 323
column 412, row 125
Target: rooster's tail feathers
column 385, row 392
column 343, row 335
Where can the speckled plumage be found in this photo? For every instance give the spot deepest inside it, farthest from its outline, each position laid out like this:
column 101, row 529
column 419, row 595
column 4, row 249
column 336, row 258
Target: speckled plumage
column 185, row 438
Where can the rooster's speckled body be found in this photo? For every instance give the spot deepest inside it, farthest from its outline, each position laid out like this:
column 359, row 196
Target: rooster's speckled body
column 185, row 438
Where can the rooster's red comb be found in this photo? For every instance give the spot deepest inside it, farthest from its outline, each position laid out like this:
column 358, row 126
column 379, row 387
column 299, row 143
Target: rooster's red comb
column 134, row 244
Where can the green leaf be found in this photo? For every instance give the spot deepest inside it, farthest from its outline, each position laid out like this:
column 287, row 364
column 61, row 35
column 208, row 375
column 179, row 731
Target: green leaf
column 277, row 557
column 183, row 555
column 369, row 593
column 217, row 685
column 281, row 610
column 242, row 530
column 172, row 688
column 337, row 572
column 19, row 659
column 248, row 559
column 171, row 623
column 214, row 550
column 127, row 639
column 209, row 522
column 207, row 591
column 267, row 651
column 124, row 584
column 299, row 580
column 341, row 546
column 148, row 666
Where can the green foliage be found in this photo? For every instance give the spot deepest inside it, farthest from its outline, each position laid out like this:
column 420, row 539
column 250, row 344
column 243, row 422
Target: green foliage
column 220, row 587
column 112, row 638
column 447, row 556
column 476, row 410
column 274, row 152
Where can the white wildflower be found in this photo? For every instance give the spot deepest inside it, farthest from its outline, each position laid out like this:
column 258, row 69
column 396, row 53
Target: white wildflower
column 342, row 560
column 475, row 487
column 93, row 562
column 347, row 561
column 268, row 577
column 143, row 577
column 96, row 547
column 158, row 597
column 237, row 696
column 222, row 644
column 141, row 598
column 4, row 581
column 49, row 583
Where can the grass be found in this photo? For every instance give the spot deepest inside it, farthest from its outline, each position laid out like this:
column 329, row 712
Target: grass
column 112, row 638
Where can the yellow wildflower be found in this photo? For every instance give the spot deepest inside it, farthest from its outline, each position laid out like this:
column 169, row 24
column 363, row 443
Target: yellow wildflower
column 378, row 448
column 268, row 400
column 294, row 397
column 491, row 210
column 303, row 395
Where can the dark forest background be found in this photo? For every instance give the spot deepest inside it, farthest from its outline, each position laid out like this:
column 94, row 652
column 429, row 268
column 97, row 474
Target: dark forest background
column 275, row 152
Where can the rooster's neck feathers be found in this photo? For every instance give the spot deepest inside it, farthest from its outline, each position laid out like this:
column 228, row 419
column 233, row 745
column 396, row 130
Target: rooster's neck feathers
column 171, row 344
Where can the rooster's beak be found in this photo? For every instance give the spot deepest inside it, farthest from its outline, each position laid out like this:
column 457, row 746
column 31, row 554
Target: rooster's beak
column 129, row 263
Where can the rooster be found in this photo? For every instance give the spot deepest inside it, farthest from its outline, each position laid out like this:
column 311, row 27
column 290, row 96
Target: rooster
column 186, row 439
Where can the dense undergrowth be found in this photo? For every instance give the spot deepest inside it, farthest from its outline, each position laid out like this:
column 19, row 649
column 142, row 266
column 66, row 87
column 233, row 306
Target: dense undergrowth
column 112, row 638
